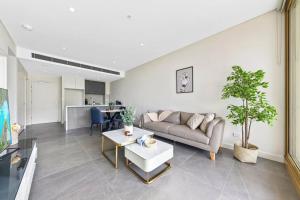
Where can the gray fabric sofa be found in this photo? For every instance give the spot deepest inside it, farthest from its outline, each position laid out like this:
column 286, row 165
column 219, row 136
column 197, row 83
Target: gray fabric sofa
column 177, row 130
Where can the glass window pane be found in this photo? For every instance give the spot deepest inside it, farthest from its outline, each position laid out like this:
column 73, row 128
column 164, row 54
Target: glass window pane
column 294, row 148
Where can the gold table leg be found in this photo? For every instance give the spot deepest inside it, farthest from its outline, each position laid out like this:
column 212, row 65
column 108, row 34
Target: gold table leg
column 116, row 157
column 114, row 163
column 147, row 180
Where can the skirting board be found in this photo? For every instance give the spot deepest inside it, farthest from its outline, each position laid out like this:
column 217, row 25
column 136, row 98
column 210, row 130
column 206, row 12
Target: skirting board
column 277, row 158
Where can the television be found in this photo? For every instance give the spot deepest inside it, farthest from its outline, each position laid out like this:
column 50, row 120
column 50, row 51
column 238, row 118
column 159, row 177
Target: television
column 5, row 126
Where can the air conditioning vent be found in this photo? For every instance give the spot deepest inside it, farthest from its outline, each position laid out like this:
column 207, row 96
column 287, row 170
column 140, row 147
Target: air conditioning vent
column 70, row 63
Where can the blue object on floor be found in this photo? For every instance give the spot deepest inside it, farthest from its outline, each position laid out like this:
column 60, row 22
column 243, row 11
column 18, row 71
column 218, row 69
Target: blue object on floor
column 97, row 118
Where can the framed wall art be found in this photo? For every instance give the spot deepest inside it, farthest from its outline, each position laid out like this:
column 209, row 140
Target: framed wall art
column 184, row 80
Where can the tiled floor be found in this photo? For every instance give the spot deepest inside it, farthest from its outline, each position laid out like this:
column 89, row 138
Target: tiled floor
column 71, row 167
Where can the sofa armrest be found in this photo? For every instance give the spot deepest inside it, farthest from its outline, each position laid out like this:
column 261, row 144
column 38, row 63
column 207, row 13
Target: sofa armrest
column 145, row 119
column 217, row 136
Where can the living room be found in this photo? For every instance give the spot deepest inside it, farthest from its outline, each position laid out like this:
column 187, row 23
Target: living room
column 141, row 100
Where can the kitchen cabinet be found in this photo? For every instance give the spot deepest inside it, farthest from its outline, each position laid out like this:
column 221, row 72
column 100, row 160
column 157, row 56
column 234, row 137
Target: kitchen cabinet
column 68, row 82
column 73, row 83
column 80, row 83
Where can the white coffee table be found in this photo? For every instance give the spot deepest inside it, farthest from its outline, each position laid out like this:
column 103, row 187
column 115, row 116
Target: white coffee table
column 148, row 159
column 119, row 139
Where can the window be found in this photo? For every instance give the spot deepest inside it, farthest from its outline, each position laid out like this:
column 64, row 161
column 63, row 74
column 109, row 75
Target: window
column 294, row 82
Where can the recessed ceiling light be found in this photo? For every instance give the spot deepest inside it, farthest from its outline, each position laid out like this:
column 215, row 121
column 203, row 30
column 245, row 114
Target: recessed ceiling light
column 64, row 48
column 27, row 27
column 142, row 44
column 114, row 62
column 72, row 9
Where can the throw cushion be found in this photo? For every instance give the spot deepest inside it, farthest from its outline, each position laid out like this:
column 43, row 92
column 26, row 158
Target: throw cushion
column 211, row 126
column 160, row 111
column 153, row 116
column 184, row 117
column 195, row 121
column 159, row 116
column 173, row 118
column 208, row 118
column 163, row 115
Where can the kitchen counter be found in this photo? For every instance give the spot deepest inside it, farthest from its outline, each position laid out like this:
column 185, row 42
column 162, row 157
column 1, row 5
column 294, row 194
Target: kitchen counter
column 80, row 116
column 83, row 106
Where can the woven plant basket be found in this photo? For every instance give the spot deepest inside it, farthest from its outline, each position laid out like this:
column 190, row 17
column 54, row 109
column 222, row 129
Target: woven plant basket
column 246, row 155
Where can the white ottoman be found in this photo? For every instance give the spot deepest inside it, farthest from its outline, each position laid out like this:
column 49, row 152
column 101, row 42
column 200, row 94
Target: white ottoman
column 148, row 159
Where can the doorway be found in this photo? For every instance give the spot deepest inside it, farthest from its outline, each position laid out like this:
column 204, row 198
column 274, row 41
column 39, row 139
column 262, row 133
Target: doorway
column 45, row 100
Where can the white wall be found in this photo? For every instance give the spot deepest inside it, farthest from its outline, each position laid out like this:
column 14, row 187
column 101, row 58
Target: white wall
column 256, row 44
column 16, row 85
column 44, row 99
column 12, row 86
column 74, row 97
column 21, row 94
column 7, row 68
column 3, row 71
column 8, row 48
column 107, row 93
column 10, row 76
column 98, row 99
column 6, row 41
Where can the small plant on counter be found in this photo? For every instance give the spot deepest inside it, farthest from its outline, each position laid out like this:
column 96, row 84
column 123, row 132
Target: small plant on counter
column 111, row 105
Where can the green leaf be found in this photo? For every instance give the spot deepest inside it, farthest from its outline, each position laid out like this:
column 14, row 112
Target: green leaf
column 128, row 116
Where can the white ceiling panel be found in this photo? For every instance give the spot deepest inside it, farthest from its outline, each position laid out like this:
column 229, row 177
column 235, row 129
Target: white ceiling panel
column 110, row 33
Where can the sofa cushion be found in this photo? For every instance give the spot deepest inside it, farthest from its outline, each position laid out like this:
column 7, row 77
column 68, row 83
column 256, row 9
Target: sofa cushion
column 158, row 126
column 162, row 115
column 153, row 116
column 159, row 116
column 173, row 118
column 195, row 121
column 184, row 117
column 208, row 118
column 185, row 132
column 211, row 126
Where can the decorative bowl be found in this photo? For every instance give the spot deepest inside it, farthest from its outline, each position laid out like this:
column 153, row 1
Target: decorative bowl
column 150, row 142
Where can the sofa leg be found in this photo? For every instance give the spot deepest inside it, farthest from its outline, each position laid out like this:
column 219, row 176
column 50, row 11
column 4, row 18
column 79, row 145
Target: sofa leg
column 220, row 150
column 212, row 156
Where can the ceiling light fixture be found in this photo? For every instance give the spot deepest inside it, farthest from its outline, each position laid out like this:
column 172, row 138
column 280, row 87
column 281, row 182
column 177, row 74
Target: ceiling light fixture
column 64, row 48
column 72, row 9
column 114, row 62
column 142, row 44
column 27, row 27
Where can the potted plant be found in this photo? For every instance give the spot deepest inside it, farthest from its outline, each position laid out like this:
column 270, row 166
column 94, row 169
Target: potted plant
column 248, row 87
column 111, row 105
column 128, row 117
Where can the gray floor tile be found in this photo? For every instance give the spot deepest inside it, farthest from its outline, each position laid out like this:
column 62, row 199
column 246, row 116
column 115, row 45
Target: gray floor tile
column 71, row 166
column 208, row 172
column 179, row 184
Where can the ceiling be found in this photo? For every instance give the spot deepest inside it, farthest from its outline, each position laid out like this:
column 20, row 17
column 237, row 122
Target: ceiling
column 120, row 34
